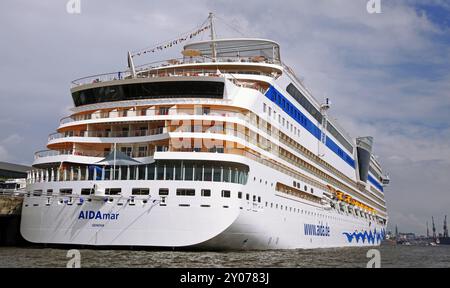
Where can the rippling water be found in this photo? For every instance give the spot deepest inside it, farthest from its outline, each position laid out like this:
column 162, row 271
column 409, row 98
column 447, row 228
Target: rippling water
column 391, row 256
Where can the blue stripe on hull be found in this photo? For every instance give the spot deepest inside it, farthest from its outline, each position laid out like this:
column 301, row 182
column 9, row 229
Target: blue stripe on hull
column 275, row 96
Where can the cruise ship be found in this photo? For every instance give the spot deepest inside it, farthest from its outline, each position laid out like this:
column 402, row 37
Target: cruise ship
column 222, row 149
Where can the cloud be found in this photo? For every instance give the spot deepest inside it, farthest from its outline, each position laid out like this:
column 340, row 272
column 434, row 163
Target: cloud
column 4, row 155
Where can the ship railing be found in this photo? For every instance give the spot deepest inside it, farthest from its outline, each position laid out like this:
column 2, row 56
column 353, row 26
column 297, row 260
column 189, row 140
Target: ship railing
column 108, row 134
column 167, row 68
column 88, row 153
column 156, row 112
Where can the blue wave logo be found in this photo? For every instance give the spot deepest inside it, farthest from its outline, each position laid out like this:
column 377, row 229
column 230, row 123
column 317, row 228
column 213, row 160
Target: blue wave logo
column 371, row 237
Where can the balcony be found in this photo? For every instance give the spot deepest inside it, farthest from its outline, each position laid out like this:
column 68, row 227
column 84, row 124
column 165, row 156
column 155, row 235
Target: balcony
column 108, row 134
column 157, row 112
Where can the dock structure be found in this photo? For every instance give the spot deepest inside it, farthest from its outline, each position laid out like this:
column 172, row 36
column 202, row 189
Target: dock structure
column 10, row 212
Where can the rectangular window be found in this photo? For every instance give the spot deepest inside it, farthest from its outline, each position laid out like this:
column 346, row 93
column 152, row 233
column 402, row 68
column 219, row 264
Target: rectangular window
column 185, row 192
column 239, row 195
column 126, row 150
column 207, row 174
column 270, row 111
column 113, row 191
column 259, row 200
column 264, row 107
column 65, row 191
column 247, row 197
column 206, row 110
column 217, row 174
column 169, row 172
column 49, row 192
column 37, row 192
column 163, row 110
column 254, row 198
column 159, row 172
column 226, row 193
column 163, row 191
column 87, row 191
column 142, row 150
column 188, row 172
column 206, row 193
column 140, row 191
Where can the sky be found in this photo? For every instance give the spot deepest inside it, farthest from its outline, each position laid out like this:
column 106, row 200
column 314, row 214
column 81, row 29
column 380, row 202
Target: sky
column 387, row 74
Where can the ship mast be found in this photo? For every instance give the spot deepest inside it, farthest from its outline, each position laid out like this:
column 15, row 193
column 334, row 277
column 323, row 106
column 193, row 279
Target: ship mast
column 445, row 227
column 213, row 43
column 434, row 228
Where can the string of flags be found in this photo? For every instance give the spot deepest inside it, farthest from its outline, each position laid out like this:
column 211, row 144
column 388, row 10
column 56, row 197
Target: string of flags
column 172, row 43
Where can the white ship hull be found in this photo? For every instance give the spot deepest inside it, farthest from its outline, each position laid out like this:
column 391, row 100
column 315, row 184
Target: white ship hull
column 243, row 225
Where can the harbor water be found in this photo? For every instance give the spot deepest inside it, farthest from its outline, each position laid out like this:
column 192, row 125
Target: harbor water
column 391, row 256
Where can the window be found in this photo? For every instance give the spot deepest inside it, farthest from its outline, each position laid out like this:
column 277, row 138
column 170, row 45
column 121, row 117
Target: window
column 226, row 193
column 295, row 184
column 163, row 111
column 254, row 198
column 49, row 192
column 113, row 191
column 87, row 191
column 185, row 192
column 312, row 190
column 142, row 150
column 247, row 197
column 163, row 191
column 37, row 192
column 239, row 195
column 306, row 188
column 140, row 191
column 259, row 200
column 126, row 150
column 206, row 193
column 270, row 111
column 264, row 107
column 65, row 191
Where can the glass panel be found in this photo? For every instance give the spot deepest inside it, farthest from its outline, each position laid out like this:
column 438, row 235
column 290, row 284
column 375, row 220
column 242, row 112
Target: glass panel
column 217, row 174
column 208, row 173
column 188, row 172
column 226, row 174
column 169, row 172
column 178, row 172
column 151, row 172
column 159, row 172
column 198, row 173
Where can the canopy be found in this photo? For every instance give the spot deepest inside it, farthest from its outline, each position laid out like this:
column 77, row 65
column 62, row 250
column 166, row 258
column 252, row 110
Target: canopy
column 122, row 159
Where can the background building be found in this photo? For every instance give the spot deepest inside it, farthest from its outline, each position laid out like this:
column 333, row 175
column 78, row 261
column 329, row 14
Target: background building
column 9, row 170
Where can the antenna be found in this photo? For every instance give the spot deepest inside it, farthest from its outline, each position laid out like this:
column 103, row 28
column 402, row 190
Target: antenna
column 213, row 43
column 323, row 133
column 428, row 231
column 131, row 65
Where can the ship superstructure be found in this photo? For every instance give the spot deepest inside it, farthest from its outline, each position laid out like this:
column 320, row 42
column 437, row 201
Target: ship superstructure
column 223, row 148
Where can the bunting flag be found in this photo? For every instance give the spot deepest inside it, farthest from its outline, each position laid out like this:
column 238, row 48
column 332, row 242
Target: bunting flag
column 171, row 43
